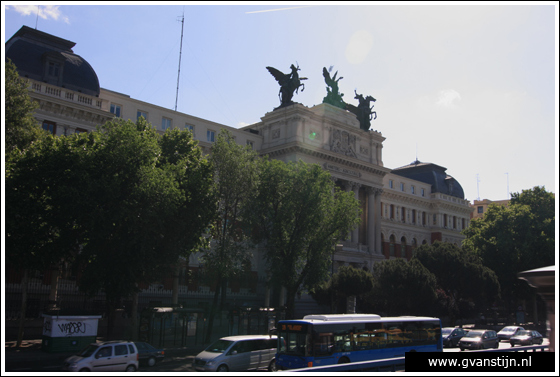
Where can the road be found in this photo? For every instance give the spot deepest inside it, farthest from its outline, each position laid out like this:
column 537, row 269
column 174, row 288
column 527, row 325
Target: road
column 175, row 364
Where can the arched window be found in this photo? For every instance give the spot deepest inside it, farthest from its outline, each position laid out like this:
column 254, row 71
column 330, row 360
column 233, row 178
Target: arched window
column 392, row 242
column 403, row 247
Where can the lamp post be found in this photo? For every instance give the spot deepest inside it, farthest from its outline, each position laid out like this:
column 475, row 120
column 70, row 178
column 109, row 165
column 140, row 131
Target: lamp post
column 336, row 248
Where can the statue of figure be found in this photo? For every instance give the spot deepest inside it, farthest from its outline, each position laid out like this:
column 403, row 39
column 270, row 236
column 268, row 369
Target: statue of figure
column 364, row 111
column 333, row 96
column 288, row 84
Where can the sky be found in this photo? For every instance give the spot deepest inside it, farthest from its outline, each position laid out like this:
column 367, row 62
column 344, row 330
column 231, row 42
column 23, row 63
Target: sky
column 472, row 88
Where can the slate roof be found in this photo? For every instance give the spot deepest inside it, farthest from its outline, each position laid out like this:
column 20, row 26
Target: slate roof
column 29, row 48
column 434, row 175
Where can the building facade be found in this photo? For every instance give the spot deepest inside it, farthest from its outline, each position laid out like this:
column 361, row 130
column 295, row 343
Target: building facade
column 402, row 208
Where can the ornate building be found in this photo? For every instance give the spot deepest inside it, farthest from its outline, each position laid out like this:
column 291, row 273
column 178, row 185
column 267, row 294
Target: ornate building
column 402, row 208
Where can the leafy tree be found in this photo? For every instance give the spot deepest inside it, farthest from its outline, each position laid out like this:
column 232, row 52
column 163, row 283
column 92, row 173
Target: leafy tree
column 346, row 283
column 301, row 215
column 402, row 288
column 21, row 127
column 515, row 238
column 235, row 178
column 129, row 201
column 465, row 282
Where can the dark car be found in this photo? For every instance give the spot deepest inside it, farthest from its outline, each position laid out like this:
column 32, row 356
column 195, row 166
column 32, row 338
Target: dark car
column 148, row 354
column 526, row 337
column 452, row 335
column 479, row 339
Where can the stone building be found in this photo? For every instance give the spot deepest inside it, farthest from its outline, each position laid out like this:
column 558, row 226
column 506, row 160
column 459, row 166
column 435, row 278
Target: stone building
column 402, row 208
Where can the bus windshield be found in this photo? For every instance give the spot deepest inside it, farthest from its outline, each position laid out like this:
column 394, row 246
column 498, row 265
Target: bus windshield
column 290, row 343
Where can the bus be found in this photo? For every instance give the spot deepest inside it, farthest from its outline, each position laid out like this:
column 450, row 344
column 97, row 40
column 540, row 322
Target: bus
column 326, row 339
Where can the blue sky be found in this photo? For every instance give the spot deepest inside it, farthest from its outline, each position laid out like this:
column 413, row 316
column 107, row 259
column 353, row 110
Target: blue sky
column 472, row 88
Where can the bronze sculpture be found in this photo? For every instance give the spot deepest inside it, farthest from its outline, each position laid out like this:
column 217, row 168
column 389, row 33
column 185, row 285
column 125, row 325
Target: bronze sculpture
column 364, row 111
column 288, row 84
column 334, row 97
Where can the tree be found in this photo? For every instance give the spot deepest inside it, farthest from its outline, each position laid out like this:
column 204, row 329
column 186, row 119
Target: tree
column 465, row 282
column 515, row 238
column 346, row 284
column 402, row 288
column 235, row 169
column 300, row 215
column 21, row 127
column 122, row 201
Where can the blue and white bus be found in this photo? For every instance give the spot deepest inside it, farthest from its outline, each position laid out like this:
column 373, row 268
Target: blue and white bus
column 325, row 339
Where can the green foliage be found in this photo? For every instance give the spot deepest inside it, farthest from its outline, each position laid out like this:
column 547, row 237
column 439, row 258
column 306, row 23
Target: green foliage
column 460, row 274
column 122, row 201
column 402, row 288
column 21, row 127
column 515, row 238
column 301, row 215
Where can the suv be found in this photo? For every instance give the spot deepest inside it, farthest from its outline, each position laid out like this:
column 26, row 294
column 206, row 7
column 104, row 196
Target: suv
column 238, row 353
column 112, row 356
column 479, row 339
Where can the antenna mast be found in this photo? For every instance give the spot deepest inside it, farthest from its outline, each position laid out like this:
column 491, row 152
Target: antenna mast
column 477, row 191
column 180, row 53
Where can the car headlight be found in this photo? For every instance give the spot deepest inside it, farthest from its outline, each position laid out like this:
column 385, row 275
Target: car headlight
column 210, row 363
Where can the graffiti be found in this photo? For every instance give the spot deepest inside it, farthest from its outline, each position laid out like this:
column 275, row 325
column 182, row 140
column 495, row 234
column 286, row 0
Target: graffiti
column 72, row 328
column 47, row 327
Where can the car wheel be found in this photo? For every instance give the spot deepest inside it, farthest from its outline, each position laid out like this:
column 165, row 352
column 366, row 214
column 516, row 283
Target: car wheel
column 462, row 349
column 272, row 366
column 343, row 360
column 151, row 361
column 130, row 368
column 512, row 344
column 222, row 368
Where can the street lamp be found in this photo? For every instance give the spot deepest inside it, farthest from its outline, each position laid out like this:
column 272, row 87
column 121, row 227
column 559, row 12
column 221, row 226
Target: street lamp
column 336, row 248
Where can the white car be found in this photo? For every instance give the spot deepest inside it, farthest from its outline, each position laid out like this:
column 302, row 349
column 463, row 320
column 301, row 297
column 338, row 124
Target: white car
column 507, row 332
column 111, row 356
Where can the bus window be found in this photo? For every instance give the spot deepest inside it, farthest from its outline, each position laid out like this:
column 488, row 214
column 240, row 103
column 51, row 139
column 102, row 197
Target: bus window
column 323, row 344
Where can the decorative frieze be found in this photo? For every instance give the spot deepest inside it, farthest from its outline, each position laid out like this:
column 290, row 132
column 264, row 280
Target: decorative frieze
column 339, row 169
column 344, row 142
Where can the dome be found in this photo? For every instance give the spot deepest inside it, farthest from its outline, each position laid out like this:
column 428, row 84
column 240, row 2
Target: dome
column 434, row 175
column 44, row 57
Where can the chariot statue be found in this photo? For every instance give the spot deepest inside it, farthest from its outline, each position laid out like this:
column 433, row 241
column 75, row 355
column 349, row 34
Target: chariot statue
column 363, row 111
column 289, row 83
column 334, row 97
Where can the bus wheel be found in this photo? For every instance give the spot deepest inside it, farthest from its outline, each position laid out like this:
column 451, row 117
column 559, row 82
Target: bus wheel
column 343, row 360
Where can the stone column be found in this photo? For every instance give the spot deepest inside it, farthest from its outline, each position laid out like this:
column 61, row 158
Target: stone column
column 371, row 228
column 355, row 232
column 377, row 217
column 347, row 187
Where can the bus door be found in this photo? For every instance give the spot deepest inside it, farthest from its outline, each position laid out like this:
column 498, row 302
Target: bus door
column 323, row 348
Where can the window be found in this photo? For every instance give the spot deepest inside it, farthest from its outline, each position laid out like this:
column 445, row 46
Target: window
column 189, row 127
column 402, row 186
column 80, row 130
column 165, row 123
column 49, row 126
column 479, row 209
column 390, row 183
column 141, row 113
column 414, row 216
column 422, row 191
column 116, row 109
column 391, row 211
column 121, row 349
column 210, row 136
column 412, row 189
column 53, row 69
column 251, row 144
column 403, row 214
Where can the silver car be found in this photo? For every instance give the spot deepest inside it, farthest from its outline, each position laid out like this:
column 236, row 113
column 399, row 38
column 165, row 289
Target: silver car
column 238, row 354
column 112, row 356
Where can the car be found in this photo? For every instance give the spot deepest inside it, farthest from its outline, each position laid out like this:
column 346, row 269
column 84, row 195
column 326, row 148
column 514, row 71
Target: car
column 111, row 356
column 526, row 337
column 452, row 335
column 148, row 354
column 509, row 331
column 238, row 353
column 479, row 339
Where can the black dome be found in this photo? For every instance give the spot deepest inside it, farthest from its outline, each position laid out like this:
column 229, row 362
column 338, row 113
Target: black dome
column 434, row 175
column 29, row 50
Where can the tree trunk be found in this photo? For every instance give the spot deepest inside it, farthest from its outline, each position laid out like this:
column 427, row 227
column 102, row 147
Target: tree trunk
column 24, row 282
column 134, row 317
column 212, row 313
column 53, row 294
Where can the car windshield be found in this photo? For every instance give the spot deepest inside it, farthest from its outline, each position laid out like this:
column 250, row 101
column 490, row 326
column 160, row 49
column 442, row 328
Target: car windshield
column 219, row 346
column 474, row 334
column 89, row 350
column 446, row 331
column 525, row 332
column 508, row 329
